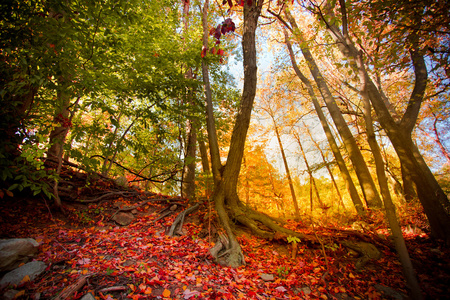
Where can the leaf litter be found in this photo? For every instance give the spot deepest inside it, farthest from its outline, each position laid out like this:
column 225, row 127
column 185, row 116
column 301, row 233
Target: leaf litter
column 140, row 261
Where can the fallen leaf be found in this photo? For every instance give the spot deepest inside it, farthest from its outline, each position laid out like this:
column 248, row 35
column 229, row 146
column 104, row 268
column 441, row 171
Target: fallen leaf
column 166, row 293
column 26, row 278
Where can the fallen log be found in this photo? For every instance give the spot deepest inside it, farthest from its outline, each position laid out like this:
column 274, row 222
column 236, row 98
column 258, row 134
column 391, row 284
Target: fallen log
column 67, row 293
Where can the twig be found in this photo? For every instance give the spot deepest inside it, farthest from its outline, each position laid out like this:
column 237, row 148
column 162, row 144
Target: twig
column 113, row 289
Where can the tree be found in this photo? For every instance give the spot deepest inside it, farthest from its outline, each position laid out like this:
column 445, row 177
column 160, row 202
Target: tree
column 271, row 110
column 430, row 193
column 327, row 164
column 330, row 138
column 312, row 181
column 227, row 250
column 367, row 184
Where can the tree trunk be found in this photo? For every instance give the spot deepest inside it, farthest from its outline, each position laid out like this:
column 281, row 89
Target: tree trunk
column 204, row 155
column 288, row 173
column 58, row 134
column 312, row 181
column 341, row 202
column 431, row 195
column 409, row 192
column 188, row 180
column 188, row 186
column 362, row 171
column 210, row 122
column 396, row 231
column 331, row 141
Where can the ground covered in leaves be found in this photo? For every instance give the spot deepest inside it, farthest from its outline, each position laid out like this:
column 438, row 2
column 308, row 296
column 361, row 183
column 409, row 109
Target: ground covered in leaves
column 140, row 261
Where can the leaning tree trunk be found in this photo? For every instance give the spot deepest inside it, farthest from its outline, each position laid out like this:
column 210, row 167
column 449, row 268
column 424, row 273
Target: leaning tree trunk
column 312, row 181
column 286, row 167
column 396, row 231
column 330, row 138
column 362, row 171
column 431, row 195
column 341, row 201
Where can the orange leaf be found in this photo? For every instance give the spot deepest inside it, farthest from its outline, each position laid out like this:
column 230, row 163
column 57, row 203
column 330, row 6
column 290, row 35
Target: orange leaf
column 19, row 294
column 148, row 291
column 26, row 278
column 351, row 276
column 166, row 293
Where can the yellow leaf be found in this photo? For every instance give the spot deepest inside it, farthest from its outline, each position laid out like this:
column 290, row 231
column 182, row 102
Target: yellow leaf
column 142, row 287
column 84, row 272
column 166, row 293
column 351, row 275
column 132, row 287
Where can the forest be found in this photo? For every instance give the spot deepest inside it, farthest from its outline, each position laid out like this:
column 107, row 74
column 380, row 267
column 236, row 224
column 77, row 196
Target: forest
column 244, row 149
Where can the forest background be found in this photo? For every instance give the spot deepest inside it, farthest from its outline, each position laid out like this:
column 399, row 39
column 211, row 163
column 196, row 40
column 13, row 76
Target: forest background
column 350, row 116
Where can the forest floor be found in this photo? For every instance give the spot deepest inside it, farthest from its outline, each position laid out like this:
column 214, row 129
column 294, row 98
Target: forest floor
column 139, row 261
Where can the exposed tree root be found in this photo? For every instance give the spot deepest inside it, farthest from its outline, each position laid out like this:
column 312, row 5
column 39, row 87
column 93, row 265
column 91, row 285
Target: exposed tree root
column 177, row 224
column 254, row 219
column 226, row 253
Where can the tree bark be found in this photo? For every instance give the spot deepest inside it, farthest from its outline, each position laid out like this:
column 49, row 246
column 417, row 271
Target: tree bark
column 331, row 141
column 362, row 171
column 188, row 180
column 341, row 202
column 396, row 231
column 409, row 192
column 286, row 167
column 431, row 195
column 188, row 186
column 312, row 181
column 210, row 122
column 59, row 133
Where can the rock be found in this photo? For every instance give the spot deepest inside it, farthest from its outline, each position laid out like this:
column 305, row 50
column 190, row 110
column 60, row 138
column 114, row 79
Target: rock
column 121, row 181
column 10, row 294
column 32, row 270
column 123, row 219
column 14, row 252
column 88, row 296
column 267, row 277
